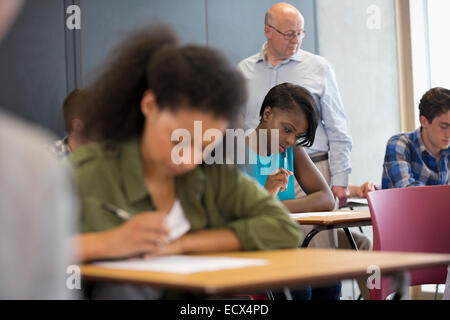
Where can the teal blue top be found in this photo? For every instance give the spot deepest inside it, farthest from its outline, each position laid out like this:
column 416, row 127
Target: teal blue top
column 259, row 167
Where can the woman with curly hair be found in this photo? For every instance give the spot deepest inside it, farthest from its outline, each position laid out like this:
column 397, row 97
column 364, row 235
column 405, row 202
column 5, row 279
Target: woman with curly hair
column 150, row 87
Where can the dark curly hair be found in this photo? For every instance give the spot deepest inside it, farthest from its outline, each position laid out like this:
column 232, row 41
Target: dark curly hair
column 151, row 59
column 434, row 103
column 288, row 96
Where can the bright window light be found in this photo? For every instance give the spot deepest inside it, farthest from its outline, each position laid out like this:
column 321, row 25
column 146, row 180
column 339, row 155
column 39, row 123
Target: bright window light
column 439, row 25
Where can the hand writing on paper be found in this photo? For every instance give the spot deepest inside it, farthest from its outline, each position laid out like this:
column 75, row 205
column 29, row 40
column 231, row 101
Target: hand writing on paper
column 143, row 234
column 277, row 181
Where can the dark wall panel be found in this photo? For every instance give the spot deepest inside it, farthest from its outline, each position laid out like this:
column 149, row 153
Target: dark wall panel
column 32, row 65
column 41, row 61
column 105, row 22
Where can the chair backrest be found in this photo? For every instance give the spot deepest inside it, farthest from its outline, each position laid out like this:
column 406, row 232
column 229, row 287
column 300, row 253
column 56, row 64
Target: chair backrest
column 415, row 219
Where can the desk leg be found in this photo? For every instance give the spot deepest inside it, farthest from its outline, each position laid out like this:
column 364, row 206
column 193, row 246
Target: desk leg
column 309, row 237
column 350, row 239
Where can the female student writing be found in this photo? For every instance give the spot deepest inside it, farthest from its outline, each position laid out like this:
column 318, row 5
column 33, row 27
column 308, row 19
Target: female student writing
column 289, row 122
column 150, row 87
column 289, row 110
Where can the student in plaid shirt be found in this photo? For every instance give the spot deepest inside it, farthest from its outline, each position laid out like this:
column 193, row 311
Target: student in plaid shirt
column 422, row 157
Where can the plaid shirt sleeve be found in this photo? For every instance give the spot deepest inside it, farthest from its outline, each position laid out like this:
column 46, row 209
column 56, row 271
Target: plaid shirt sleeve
column 398, row 163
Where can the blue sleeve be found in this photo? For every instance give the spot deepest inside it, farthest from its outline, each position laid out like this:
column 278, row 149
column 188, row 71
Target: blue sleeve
column 397, row 172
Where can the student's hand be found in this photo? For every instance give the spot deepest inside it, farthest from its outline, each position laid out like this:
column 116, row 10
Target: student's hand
column 365, row 189
column 277, row 181
column 143, row 234
column 172, row 248
column 341, row 193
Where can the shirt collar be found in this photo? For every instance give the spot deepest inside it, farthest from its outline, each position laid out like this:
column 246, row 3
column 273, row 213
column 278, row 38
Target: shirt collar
column 298, row 56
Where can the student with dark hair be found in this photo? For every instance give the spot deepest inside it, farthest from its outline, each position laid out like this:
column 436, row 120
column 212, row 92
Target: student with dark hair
column 422, row 157
column 288, row 110
column 150, row 88
column 73, row 113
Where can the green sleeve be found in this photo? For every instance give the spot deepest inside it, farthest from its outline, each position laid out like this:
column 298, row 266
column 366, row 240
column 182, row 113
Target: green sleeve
column 259, row 220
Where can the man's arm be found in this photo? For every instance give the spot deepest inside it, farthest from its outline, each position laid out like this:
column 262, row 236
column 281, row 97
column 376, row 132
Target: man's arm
column 340, row 143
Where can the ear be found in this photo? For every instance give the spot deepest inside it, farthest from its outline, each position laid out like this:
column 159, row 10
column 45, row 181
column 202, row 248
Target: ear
column 77, row 125
column 267, row 31
column 268, row 113
column 424, row 122
column 149, row 106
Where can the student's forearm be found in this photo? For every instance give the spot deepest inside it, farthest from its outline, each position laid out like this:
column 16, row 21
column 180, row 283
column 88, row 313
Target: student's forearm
column 91, row 246
column 94, row 246
column 210, row 240
column 318, row 201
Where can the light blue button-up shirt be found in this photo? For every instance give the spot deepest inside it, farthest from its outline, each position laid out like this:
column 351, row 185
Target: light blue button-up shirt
column 315, row 74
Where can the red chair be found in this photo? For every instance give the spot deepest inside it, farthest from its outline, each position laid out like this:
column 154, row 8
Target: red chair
column 415, row 219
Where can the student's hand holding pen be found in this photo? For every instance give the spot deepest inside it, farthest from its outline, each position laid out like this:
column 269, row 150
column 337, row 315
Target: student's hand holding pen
column 277, row 181
column 142, row 234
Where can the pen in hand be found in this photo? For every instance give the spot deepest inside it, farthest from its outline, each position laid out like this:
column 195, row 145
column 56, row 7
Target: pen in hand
column 119, row 213
column 123, row 215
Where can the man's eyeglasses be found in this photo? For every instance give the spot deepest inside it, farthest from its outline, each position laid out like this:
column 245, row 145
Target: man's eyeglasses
column 290, row 35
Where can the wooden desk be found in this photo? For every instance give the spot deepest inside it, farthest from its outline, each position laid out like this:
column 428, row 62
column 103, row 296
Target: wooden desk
column 293, row 267
column 356, row 219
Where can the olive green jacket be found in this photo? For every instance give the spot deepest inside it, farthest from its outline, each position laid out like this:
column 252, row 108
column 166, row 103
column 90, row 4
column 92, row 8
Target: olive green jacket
column 212, row 196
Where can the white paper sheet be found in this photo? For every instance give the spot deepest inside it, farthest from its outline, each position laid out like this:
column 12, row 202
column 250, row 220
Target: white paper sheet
column 320, row 214
column 362, row 201
column 182, row 264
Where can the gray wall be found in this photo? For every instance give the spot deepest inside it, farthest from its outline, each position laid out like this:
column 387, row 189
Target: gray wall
column 365, row 62
column 41, row 61
column 118, row 17
column 33, row 65
column 236, row 27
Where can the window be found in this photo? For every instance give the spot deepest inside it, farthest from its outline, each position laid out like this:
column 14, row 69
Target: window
column 430, row 48
column 439, row 46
